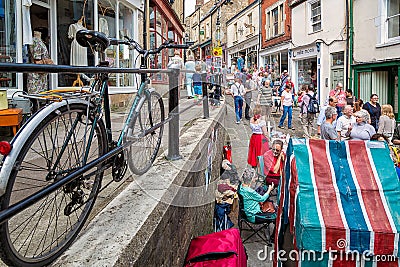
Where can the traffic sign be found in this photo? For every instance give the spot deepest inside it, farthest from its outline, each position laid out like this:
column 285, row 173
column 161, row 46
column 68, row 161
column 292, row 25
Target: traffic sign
column 217, row 51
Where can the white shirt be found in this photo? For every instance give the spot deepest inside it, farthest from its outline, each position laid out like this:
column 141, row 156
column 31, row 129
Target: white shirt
column 237, row 89
column 287, row 98
column 343, row 124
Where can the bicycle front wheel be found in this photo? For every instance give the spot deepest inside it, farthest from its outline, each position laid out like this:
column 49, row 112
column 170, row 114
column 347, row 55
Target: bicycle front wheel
column 147, row 129
column 55, row 148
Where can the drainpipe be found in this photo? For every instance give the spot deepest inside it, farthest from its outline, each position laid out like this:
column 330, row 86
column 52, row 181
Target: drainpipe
column 350, row 46
column 259, row 33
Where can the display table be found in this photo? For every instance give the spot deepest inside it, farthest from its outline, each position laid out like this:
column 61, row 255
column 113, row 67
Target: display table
column 11, row 117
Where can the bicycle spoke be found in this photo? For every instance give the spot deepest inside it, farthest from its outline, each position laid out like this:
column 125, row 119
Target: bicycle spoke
column 53, row 151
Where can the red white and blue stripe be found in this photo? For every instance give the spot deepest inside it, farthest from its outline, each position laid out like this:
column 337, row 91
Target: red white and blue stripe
column 342, row 197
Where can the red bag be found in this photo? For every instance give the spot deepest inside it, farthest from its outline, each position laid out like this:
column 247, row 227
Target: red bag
column 220, row 249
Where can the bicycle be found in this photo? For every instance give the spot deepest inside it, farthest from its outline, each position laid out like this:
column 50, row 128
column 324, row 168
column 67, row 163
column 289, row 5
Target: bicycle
column 59, row 156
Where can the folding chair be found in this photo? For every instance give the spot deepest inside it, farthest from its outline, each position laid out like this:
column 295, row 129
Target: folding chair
column 255, row 228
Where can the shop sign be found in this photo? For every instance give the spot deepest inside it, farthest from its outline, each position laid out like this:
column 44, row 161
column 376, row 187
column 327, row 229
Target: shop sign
column 217, row 51
column 305, row 52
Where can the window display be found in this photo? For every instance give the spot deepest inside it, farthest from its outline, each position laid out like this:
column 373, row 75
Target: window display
column 7, row 41
column 71, row 17
column 307, row 72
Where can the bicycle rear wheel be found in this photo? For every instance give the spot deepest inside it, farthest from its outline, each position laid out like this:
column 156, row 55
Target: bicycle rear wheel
column 40, row 233
column 142, row 153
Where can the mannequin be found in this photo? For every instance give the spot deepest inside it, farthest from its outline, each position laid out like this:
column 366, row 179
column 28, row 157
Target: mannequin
column 78, row 55
column 37, row 82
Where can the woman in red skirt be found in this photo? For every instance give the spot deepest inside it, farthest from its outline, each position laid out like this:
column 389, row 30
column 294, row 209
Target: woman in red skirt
column 259, row 139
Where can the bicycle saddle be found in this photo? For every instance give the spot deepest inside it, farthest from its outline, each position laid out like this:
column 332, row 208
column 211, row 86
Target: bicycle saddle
column 88, row 38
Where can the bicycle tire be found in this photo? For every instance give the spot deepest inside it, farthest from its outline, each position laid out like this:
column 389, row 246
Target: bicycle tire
column 40, row 233
column 142, row 153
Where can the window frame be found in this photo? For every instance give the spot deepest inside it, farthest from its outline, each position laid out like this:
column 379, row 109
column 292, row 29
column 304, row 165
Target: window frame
column 310, row 15
column 275, row 20
column 386, row 23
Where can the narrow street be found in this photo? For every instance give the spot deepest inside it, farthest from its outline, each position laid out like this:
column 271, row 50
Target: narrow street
column 239, row 135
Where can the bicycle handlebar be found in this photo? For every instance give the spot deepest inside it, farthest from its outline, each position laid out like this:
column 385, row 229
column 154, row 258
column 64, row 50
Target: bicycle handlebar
column 133, row 44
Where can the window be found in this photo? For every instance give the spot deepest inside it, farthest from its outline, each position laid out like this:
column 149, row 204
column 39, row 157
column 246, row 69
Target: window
column 315, row 16
column 275, row 21
column 8, row 36
column 250, row 19
column 235, row 28
column 393, row 18
column 275, row 24
column 337, row 68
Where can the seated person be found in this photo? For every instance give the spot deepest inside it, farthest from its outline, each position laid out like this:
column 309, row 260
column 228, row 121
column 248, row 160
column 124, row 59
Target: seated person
column 361, row 130
column 396, row 136
column 273, row 162
column 251, row 199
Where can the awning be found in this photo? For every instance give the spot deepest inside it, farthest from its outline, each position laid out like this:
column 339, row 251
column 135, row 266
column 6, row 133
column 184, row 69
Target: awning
column 204, row 44
column 341, row 196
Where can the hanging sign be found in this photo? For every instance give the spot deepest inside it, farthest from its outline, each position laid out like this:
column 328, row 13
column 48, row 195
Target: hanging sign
column 217, row 51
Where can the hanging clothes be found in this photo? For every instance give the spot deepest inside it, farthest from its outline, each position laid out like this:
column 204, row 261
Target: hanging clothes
column 78, row 55
column 37, row 82
column 26, row 22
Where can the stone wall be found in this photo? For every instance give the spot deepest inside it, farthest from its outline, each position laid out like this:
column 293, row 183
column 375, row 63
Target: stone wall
column 170, row 239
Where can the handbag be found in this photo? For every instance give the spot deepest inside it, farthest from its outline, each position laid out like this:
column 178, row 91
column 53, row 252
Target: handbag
column 45, row 61
column 267, row 206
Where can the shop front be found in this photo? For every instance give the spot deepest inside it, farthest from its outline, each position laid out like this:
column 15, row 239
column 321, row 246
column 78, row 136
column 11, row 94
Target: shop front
column 275, row 59
column 381, row 79
column 304, row 70
column 54, row 25
column 248, row 50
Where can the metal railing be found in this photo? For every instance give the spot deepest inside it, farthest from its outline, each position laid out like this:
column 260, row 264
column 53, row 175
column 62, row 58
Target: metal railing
column 173, row 98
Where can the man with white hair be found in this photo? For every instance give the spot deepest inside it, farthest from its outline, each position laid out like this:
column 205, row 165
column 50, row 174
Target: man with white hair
column 328, row 131
column 344, row 122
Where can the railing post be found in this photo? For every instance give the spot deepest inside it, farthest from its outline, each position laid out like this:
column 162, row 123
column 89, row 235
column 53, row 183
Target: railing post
column 173, row 105
column 206, row 112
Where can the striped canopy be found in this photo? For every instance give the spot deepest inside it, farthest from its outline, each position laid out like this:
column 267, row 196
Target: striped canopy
column 341, row 196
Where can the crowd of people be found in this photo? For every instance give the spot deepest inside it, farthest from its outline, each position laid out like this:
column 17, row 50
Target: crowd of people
column 341, row 117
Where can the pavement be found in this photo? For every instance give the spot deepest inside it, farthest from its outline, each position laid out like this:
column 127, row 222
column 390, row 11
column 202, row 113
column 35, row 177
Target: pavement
column 239, row 134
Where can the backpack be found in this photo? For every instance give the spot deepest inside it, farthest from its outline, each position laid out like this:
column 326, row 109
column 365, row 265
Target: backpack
column 313, row 106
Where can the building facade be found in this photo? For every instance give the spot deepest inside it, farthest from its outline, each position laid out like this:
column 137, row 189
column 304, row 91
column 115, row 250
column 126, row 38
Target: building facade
column 275, row 30
column 207, row 27
column 243, row 36
column 376, row 53
column 57, row 22
column 318, row 47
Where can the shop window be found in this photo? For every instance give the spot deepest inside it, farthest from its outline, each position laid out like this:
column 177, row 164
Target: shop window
column 7, row 41
column 158, row 35
column 315, row 13
column 107, row 19
column 307, row 72
column 393, row 18
column 126, row 56
column 69, row 15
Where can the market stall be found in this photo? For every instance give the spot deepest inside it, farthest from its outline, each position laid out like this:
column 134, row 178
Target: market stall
column 340, row 204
